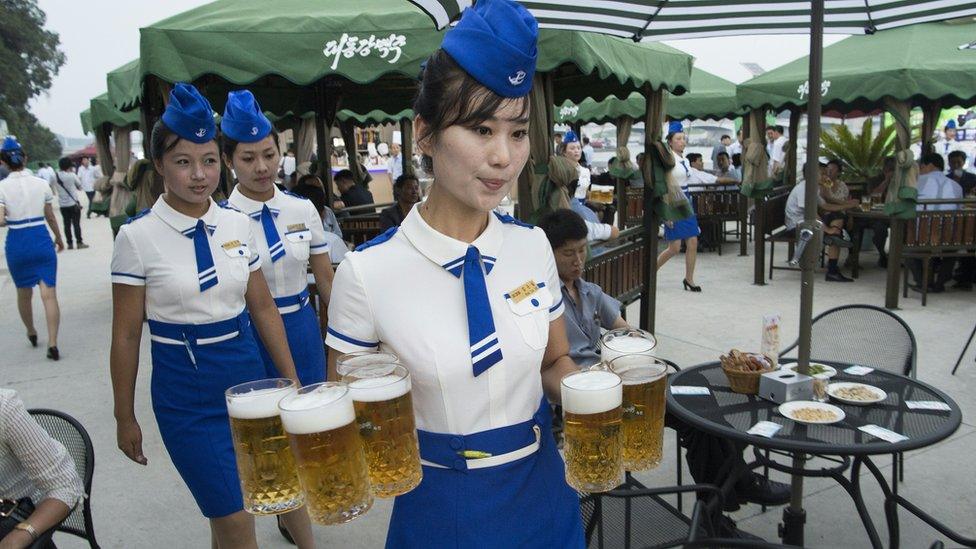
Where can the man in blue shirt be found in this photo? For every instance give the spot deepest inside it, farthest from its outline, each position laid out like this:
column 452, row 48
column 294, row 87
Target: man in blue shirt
column 588, row 310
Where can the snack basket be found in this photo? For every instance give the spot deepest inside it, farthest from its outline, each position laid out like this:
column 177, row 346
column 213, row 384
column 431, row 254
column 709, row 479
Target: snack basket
column 744, row 381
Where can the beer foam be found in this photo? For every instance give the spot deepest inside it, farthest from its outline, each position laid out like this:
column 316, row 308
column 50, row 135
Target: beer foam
column 257, row 404
column 625, row 345
column 322, row 409
column 637, row 369
column 378, row 389
column 591, row 392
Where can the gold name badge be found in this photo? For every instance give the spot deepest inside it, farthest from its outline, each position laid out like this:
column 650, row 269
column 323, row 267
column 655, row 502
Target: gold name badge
column 297, row 227
column 525, row 290
column 231, row 244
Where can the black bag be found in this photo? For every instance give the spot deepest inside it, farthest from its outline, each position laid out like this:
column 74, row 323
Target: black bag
column 13, row 513
column 77, row 205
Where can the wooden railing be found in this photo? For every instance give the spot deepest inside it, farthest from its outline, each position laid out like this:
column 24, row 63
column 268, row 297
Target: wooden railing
column 619, row 270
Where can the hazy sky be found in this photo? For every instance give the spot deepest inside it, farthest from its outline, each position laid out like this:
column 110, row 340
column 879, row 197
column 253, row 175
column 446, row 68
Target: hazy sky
column 98, row 36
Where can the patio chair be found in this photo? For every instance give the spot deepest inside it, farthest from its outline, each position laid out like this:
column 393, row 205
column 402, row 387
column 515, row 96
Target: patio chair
column 69, row 432
column 865, row 335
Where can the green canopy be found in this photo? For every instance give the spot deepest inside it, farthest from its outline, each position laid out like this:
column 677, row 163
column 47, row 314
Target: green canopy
column 125, row 86
column 711, row 97
column 102, row 111
column 86, row 125
column 367, row 45
column 917, row 64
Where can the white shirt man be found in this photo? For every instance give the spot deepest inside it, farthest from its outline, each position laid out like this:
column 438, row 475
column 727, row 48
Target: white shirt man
column 46, row 172
column 933, row 184
column 394, row 166
column 947, row 143
column 776, row 148
column 588, row 151
column 795, row 205
column 88, row 175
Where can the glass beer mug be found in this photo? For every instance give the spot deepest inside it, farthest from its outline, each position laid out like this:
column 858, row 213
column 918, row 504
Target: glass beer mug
column 645, row 380
column 592, row 423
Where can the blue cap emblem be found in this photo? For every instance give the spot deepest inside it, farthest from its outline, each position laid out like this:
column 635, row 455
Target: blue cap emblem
column 243, row 120
column 950, row 125
column 675, row 127
column 189, row 114
column 495, row 42
column 570, row 137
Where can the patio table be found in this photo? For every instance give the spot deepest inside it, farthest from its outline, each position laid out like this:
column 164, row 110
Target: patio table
column 896, row 234
column 729, row 415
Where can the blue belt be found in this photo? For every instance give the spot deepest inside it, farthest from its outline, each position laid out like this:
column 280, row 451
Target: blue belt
column 455, row 451
column 300, row 299
column 191, row 333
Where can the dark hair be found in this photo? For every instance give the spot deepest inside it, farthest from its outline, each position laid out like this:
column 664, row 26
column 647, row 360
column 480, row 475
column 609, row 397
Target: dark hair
column 162, row 140
column 737, row 160
column 723, row 153
column 308, row 179
column 343, row 174
column 835, row 162
column 311, row 192
column 228, row 145
column 671, row 135
column 693, row 157
column 933, row 158
column 402, row 180
column 562, row 226
column 955, row 154
column 725, row 136
column 586, row 140
column 777, row 128
column 65, row 164
column 449, row 96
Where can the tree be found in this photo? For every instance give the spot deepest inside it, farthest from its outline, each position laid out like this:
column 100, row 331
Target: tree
column 861, row 155
column 29, row 60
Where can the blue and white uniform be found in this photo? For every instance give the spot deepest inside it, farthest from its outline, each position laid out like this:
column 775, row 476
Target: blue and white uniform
column 202, row 341
column 294, row 234
column 30, row 253
column 688, row 227
column 524, row 502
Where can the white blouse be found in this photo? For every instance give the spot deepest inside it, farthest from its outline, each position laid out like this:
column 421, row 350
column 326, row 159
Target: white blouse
column 398, row 296
column 153, row 250
column 23, row 196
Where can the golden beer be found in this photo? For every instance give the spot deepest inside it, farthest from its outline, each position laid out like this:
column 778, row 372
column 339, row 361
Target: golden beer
column 269, row 480
column 384, row 414
column 625, row 341
column 592, row 430
column 644, row 379
column 321, row 426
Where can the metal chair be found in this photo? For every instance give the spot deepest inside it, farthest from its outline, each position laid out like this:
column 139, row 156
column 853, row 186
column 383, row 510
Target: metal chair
column 868, row 336
column 964, row 349
column 69, row 432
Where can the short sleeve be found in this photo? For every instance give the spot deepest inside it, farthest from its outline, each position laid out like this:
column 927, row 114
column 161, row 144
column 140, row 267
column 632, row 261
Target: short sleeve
column 3, row 196
column 554, row 285
column 319, row 244
column 598, row 231
column 351, row 324
column 48, row 195
column 608, row 309
column 254, row 263
column 127, row 267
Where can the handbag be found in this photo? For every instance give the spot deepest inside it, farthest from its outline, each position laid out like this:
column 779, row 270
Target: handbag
column 77, row 206
column 13, row 513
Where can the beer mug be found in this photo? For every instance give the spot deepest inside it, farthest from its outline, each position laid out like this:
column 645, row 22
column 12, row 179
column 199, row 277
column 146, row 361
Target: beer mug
column 625, row 341
column 321, row 426
column 350, row 361
column 269, row 480
column 384, row 414
column 591, row 432
column 644, row 379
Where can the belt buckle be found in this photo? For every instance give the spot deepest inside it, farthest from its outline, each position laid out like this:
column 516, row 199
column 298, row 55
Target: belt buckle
column 7, row 507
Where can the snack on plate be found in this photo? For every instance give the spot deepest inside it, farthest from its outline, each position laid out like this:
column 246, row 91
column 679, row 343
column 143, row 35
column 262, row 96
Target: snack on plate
column 856, row 392
column 817, row 415
column 745, row 362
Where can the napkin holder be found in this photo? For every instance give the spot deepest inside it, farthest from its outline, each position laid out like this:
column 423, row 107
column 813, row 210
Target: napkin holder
column 783, row 385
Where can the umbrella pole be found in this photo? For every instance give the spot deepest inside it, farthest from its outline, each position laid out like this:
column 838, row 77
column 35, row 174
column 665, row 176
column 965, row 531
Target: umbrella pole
column 794, row 516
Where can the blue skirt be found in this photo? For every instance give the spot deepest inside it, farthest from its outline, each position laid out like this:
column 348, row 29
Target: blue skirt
column 304, row 341
column 31, row 258
column 683, row 228
column 525, row 503
column 188, row 401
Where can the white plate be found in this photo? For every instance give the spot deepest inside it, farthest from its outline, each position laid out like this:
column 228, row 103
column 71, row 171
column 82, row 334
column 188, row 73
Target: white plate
column 878, row 393
column 788, row 409
column 829, row 371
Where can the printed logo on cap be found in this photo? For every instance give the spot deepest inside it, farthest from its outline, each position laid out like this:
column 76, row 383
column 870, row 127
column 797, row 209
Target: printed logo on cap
column 201, row 132
column 517, row 78
column 254, row 130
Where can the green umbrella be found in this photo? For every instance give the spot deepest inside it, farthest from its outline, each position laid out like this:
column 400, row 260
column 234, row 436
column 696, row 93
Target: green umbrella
column 125, row 86
column 711, row 97
column 103, row 111
column 917, row 63
column 86, row 125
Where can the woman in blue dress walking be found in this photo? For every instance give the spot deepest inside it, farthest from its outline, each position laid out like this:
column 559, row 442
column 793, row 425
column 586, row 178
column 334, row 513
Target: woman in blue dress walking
column 25, row 206
column 687, row 229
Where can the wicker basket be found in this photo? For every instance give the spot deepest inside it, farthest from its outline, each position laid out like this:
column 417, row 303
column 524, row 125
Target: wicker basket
column 746, row 383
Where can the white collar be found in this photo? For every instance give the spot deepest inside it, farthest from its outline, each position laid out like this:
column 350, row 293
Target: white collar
column 253, row 207
column 183, row 223
column 446, row 251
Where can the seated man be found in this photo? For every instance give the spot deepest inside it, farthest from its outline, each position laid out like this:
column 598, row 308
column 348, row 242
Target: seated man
column 698, row 175
column 966, row 270
column 723, row 168
column 588, row 310
column 406, row 193
column 933, row 184
column 352, row 194
column 833, row 218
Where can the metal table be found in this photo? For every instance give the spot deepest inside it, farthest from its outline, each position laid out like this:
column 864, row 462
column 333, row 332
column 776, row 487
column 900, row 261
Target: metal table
column 896, row 239
column 729, row 415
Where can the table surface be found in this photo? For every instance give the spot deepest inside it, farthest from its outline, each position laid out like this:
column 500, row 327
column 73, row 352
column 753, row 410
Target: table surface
column 729, row 415
column 873, row 213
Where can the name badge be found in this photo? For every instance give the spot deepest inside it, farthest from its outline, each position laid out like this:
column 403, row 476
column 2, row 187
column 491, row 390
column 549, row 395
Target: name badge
column 297, row 227
column 230, row 245
column 522, row 292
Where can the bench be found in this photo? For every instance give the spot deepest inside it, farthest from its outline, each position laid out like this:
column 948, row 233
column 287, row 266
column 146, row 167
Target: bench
column 619, row 269
column 359, row 229
column 714, row 205
column 938, row 234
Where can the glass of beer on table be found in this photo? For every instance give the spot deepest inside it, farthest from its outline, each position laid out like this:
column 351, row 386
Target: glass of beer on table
column 269, row 480
column 321, row 424
column 384, row 414
column 625, row 341
column 645, row 379
column 592, row 424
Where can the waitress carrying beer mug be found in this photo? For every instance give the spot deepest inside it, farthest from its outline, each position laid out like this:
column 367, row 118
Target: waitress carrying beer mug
column 479, row 324
column 191, row 266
